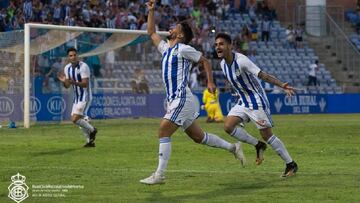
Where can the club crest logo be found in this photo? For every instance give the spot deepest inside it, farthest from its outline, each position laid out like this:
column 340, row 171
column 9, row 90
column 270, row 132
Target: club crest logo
column 18, row 190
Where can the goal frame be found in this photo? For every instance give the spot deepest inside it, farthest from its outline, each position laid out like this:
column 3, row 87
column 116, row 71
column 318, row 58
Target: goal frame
column 29, row 26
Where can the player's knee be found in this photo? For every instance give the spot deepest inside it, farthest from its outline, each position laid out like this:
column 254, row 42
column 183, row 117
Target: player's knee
column 266, row 133
column 74, row 119
column 228, row 128
column 197, row 139
column 162, row 133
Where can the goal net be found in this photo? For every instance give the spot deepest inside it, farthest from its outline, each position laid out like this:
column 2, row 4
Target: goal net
column 122, row 62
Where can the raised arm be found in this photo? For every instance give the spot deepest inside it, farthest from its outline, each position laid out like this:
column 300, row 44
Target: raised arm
column 151, row 23
column 273, row 80
column 209, row 74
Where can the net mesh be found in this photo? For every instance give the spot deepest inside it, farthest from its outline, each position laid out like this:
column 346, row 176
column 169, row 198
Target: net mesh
column 119, row 63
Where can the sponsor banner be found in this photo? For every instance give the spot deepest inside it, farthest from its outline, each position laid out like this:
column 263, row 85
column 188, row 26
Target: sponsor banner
column 298, row 104
column 126, row 105
column 303, row 103
column 55, row 107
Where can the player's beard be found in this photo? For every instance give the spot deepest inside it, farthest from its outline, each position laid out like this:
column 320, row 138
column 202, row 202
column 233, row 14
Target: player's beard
column 170, row 37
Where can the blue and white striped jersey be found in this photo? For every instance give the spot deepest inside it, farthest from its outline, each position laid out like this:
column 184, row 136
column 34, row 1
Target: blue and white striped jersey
column 77, row 73
column 176, row 64
column 243, row 77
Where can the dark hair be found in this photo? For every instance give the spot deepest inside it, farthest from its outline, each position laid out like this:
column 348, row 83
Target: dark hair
column 224, row 36
column 71, row 49
column 187, row 31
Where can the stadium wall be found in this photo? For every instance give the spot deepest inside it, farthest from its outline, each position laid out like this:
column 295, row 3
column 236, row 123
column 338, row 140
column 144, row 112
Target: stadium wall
column 286, row 8
column 55, row 107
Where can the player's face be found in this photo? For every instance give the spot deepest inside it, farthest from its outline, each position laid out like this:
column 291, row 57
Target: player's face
column 72, row 57
column 222, row 47
column 174, row 31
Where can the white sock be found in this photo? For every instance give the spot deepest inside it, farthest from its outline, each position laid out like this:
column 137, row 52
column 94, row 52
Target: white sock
column 164, row 154
column 86, row 134
column 242, row 135
column 84, row 124
column 215, row 141
column 280, row 148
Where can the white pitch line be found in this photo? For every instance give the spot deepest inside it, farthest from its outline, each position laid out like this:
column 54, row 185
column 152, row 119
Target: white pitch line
column 171, row 170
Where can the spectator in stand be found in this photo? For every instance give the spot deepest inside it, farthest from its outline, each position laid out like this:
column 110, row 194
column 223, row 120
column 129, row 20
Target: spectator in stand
column 223, row 8
column 246, row 38
column 265, row 29
column 263, row 9
column 28, row 10
column 57, row 14
column 299, row 37
column 313, row 68
column 196, row 14
column 238, row 40
column 139, row 83
column 254, row 30
column 290, row 36
column 252, row 9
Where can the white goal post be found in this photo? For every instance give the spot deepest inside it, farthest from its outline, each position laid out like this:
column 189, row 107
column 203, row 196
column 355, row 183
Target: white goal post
column 27, row 49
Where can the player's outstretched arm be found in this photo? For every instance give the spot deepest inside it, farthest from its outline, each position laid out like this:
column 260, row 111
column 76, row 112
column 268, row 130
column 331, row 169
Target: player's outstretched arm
column 151, row 23
column 209, row 74
column 290, row 91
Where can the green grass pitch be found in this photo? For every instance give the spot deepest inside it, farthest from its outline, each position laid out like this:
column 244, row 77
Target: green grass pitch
column 326, row 147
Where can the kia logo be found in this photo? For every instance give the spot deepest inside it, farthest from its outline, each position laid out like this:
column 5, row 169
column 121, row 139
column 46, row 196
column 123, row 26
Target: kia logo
column 56, row 105
column 35, row 106
column 6, row 106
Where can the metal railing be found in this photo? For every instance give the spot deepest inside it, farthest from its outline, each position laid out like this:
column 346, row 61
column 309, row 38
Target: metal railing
column 314, row 18
column 329, row 24
column 344, row 48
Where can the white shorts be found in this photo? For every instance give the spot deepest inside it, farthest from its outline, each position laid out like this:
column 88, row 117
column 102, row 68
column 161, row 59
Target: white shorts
column 182, row 111
column 79, row 108
column 261, row 118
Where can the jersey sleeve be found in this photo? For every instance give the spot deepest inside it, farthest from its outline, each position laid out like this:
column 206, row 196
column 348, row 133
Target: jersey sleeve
column 163, row 46
column 85, row 71
column 249, row 66
column 190, row 53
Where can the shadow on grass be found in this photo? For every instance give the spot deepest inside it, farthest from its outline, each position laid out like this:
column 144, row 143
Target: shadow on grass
column 233, row 189
column 56, row 152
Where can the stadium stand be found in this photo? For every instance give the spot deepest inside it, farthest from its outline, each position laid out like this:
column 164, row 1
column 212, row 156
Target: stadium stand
column 277, row 56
